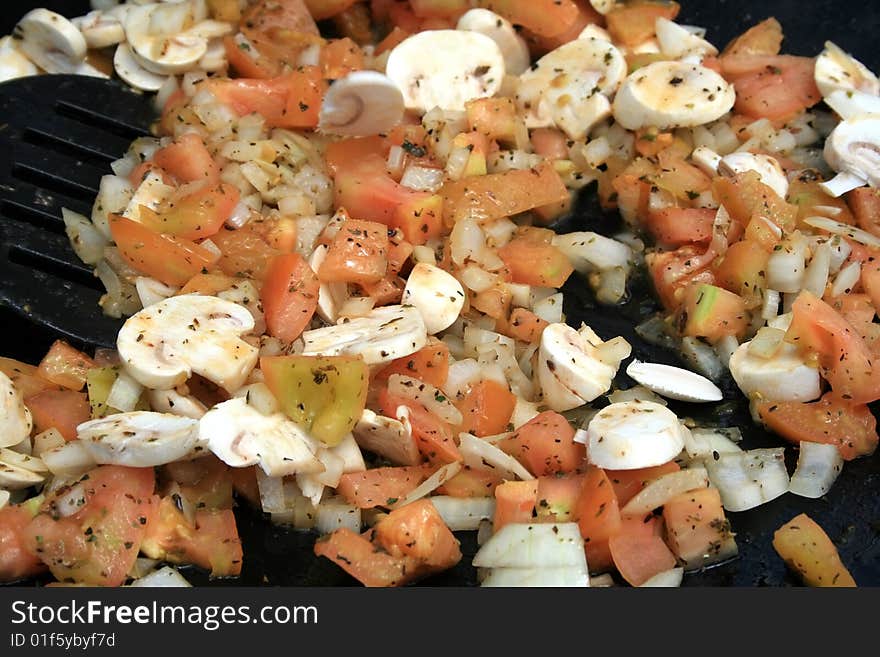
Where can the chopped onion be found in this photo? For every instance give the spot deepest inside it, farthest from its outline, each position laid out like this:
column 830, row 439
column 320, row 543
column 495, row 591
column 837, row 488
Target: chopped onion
column 840, row 250
column 549, row 309
column 847, row 279
column 334, row 512
column 748, row 479
column 142, row 567
column 816, row 275
column 240, row 215
column 770, row 304
column 668, row 578
column 349, row 451
column 87, row 241
column 422, row 253
column 766, row 342
column 523, row 411
column 124, row 393
column 166, row 577
column 476, row 278
column 70, row 459
column 4, row 498
column 818, row 467
column 183, row 503
column 356, row 307
column 785, row 268
column 432, row 398
column 702, row 358
column 659, row 491
column 464, row 513
column 70, row 501
column 466, row 241
column 271, row 489
column 462, row 375
column 725, row 348
column 481, row 455
column 609, row 285
column 46, row 440
column 588, row 251
column 542, row 545
column 845, row 230
column 636, row 393
column 396, row 161
column 422, row 179
column 538, row 576
column 440, row 477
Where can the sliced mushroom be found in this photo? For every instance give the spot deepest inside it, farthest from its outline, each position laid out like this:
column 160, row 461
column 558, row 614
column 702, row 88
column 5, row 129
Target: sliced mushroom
column 634, row 434
column 388, row 437
column 99, row 29
column 436, row 294
column 159, row 43
column 852, row 150
column 13, row 62
column 130, row 70
column 172, row 402
column 139, row 439
column 51, row 41
column 15, row 417
column 513, row 47
column 361, row 104
column 241, row 436
column 161, row 346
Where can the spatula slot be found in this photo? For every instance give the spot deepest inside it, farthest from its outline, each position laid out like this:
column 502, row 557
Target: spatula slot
column 55, row 268
column 66, row 146
column 101, row 121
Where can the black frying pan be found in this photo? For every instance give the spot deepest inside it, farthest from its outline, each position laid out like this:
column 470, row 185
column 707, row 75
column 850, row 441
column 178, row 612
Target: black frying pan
column 850, row 513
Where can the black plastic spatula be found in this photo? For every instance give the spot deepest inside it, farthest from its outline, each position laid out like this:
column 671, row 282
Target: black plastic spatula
column 58, row 136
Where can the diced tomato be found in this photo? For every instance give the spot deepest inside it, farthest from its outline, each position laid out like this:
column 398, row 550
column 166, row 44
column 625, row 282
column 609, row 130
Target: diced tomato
column 627, row 483
column 633, row 23
column 628, row 193
column 539, row 45
column 339, row 57
column 697, row 530
column 326, row 395
column 211, row 541
column 244, row 252
column 434, row 437
column 208, row 284
column 486, row 408
column 345, row 154
column 650, row 142
column 499, row 195
column 417, row 531
column 439, row 8
column 357, row 254
column 765, row 38
column 196, row 215
column 638, row 551
column 188, row 160
column 16, row 561
column 386, row 291
column 772, row 87
column 289, row 296
column 368, row 563
column 495, row 118
column 679, row 226
column 673, row 271
column 679, row 177
column 420, row 217
column 598, row 516
column 98, row 544
column 545, row 445
column 140, row 172
column 515, row 502
column 844, row 358
column 206, row 481
column 292, row 100
column 26, row 378
column 543, row 17
column 805, row 193
column 381, row 486
column 532, row 263
column 392, row 39
column 742, row 269
column 293, row 15
column 430, row 364
column 399, row 251
column 65, row 366
column 524, row 325
column 470, row 482
column 852, row 428
column 493, row 302
column 871, row 282
column 744, row 196
column 865, row 204
column 807, row 550
column 61, row 409
column 558, row 497
column 171, row 260
column 713, row 313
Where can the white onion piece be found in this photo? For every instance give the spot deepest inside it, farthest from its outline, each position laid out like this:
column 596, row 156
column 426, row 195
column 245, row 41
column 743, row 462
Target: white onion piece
column 462, row 375
column 70, row 501
column 464, row 513
column 87, row 241
column 749, row 479
column 440, row 477
column 846, row 279
column 770, row 304
column 706, row 443
column 845, row 230
column 543, row 545
column 239, row 216
column 142, row 567
column 668, row 579
column 549, row 309
column 124, row 393
column 272, row 499
column 566, row 576
column 816, row 275
column 432, row 398
column 333, row 513
column 662, row 489
column 637, row 392
column 422, row 179
column 70, row 459
column 166, row 577
column 4, row 498
column 785, row 268
column 817, row 468
column 481, row 455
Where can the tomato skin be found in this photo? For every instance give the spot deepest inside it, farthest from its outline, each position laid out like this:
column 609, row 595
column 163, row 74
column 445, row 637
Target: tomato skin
column 543, row 17
column 65, row 366
column 638, row 550
column 633, row 23
column 532, row 263
column 358, row 254
column 679, row 226
column 713, row 313
column 434, row 437
column 98, row 544
column 366, row 562
column 697, row 529
column 673, row 271
column 772, row 87
column 627, row 483
column 171, row 260
column 470, row 482
column 62, row 409
column 340, row 57
column 25, row 377
column 808, row 550
column 558, row 497
column 429, row 364
column 598, row 516
column 486, row 408
column 417, row 531
column 852, row 428
column 865, row 204
column 244, row 252
column 545, row 445
column 524, row 325
column 197, row 215
column 289, row 296
column 188, row 160
column 16, row 561
column 765, row 38
column 381, row 486
column 514, row 503
column 293, row 15
column 744, row 196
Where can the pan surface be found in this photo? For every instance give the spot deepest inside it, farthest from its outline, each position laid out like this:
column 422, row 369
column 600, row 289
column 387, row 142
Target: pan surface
column 850, row 513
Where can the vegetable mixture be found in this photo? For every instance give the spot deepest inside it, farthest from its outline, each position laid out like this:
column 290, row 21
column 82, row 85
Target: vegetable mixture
column 341, row 295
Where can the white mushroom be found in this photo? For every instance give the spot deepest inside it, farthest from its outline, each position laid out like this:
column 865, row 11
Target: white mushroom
column 13, row 62
column 569, row 368
column 14, row 477
column 99, row 29
column 674, row 382
column 140, row 439
column 767, row 167
column 158, row 42
column 445, row 69
column 849, row 104
column 784, row 377
column 672, row 95
column 51, row 41
column 677, row 41
column 172, row 402
column 853, row 150
column 130, row 70
column 15, row 417
column 837, row 70
column 383, row 335
column 634, row 434
column 425, row 394
column 151, row 291
column 388, row 437
column 436, row 294
column 513, row 47
column 241, row 436
column 571, row 87
column 161, row 346
column 361, row 104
